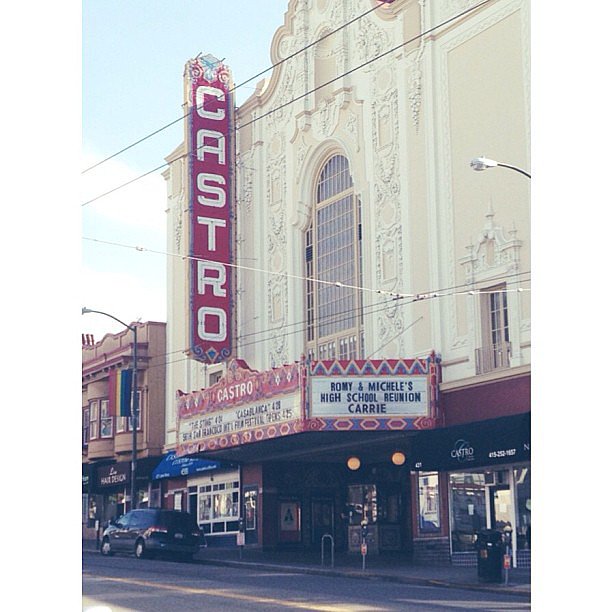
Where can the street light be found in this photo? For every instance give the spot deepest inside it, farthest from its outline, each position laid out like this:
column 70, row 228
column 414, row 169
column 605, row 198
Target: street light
column 133, row 329
column 482, row 163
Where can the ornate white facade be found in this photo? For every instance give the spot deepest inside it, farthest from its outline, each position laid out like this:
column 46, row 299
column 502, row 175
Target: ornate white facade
column 409, row 94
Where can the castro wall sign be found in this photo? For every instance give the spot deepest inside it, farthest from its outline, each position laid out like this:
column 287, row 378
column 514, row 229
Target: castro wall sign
column 210, row 158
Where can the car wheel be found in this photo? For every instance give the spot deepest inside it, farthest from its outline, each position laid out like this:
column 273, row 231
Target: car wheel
column 105, row 548
column 139, row 550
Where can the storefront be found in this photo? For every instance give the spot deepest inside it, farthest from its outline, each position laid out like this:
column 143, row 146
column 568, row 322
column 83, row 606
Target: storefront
column 209, row 490
column 322, row 450
column 472, row 477
column 109, row 492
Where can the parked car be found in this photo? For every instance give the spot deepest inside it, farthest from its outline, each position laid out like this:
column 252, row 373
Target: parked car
column 149, row 531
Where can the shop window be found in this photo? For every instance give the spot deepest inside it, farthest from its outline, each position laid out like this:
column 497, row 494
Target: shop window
column 178, row 500
column 219, row 506
column 522, row 478
column 250, row 509
column 429, row 502
column 468, row 509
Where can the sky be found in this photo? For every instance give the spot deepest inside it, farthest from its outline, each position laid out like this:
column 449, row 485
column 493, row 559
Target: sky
column 133, row 57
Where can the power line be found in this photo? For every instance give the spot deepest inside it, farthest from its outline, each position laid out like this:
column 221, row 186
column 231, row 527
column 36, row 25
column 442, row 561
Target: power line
column 255, row 76
column 401, row 299
column 258, row 118
column 393, row 294
column 380, row 308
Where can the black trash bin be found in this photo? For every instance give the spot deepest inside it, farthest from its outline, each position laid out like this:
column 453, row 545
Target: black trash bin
column 489, row 546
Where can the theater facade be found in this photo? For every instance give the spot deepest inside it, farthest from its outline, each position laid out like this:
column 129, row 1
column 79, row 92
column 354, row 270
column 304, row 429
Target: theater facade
column 343, row 288
column 322, row 448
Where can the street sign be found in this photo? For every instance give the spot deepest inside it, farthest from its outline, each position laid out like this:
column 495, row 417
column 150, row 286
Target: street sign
column 506, row 561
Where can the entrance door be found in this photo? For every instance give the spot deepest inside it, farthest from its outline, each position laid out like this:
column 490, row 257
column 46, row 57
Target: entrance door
column 322, row 519
column 502, row 513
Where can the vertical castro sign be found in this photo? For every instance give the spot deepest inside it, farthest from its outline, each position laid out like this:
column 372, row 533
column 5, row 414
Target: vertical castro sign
column 210, row 155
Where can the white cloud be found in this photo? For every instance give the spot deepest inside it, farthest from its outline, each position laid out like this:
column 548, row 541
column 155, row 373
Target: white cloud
column 122, row 295
column 140, row 204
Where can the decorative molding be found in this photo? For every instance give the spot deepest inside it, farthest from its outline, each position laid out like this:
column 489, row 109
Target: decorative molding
column 351, row 127
column 493, row 253
column 415, row 73
column 244, row 165
column 370, row 42
column 326, row 117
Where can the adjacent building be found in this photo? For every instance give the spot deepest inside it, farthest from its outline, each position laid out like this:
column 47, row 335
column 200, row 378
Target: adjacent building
column 351, row 297
column 108, row 436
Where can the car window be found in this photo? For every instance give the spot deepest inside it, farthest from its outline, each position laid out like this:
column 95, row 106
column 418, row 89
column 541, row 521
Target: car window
column 142, row 519
column 179, row 521
column 122, row 521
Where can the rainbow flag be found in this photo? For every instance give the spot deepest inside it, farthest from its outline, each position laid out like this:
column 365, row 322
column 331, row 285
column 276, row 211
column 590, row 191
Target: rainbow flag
column 120, row 392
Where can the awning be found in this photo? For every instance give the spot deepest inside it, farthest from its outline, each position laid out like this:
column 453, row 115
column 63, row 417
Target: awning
column 476, row 444
column 175, row 467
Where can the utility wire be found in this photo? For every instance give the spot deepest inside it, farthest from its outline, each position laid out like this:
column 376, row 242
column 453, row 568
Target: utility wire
column 404, row 302
column 203, row 106
column 258, row 118
column 464, row 289
column 365, row 311
column 393, row 294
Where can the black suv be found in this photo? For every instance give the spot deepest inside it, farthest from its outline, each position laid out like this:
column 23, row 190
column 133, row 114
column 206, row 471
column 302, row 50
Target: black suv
column 149, row 531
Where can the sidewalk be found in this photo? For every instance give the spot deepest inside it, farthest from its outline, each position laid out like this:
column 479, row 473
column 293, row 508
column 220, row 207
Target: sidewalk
column 395, row 568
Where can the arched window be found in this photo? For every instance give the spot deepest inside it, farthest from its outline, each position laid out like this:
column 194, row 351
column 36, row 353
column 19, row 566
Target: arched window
column 333, row 254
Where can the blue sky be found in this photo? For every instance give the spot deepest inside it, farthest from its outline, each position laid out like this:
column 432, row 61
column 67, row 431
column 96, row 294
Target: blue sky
column 133, row 56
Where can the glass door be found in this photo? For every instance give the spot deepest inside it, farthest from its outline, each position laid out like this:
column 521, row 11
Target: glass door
column 502, row 514
column 322, row 519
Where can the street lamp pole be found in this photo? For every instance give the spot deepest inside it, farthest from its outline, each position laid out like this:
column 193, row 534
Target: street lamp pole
column 482, row 163
column 134, row 406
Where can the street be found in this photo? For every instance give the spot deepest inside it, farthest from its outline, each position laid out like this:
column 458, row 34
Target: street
column 122, row 583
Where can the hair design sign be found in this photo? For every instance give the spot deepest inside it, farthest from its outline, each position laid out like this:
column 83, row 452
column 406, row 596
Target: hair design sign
column 210, row 159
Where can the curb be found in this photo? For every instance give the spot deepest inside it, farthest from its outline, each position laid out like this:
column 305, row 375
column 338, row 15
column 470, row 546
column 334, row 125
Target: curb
column 507, row 590
column 315, row 571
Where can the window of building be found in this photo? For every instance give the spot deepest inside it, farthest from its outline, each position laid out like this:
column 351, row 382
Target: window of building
column 85, row 426
column 496, row 349
column 106, row 420
column 219, row 506
column 429, row 502
column 333, row 255
column 215, row 377
column 93, row 419
column 468, row 509
column 125, row 423
column 250, row 509
column 522, row 478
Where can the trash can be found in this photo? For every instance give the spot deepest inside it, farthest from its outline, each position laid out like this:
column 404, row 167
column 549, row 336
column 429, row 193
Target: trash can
column 489, row 546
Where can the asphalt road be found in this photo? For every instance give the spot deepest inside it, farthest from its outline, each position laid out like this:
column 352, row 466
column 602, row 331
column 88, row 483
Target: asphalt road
column 123, row 583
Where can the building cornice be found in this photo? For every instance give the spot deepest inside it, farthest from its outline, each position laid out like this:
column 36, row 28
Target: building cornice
column 486, row 379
